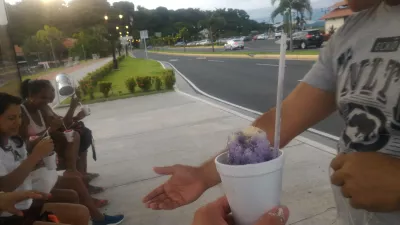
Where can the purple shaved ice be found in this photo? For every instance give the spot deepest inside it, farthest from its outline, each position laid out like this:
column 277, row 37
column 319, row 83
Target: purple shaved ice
column 249, row 147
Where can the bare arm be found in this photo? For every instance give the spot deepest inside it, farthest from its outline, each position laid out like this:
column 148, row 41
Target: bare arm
column 13, row 180
column 69, row 116
column 303, row 108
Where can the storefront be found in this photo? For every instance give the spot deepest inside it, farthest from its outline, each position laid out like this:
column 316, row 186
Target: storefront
column 9, row 76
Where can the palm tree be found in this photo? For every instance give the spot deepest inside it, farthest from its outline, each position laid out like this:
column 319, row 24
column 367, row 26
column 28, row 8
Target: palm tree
column 287, row 6
column 301, row 6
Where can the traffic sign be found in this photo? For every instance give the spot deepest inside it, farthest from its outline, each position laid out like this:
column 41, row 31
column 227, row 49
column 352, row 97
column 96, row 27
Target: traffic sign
column 144, row 34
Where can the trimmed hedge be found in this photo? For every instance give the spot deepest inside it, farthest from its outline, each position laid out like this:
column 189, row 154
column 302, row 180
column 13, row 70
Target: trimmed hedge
column 89, row 83
column 169, row 78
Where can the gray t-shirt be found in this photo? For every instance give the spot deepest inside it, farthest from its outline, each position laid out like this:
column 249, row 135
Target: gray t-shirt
column 361, row 65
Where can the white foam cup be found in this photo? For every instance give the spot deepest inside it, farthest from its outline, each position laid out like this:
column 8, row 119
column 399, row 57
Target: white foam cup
column 86, row 110
column 252, row 190
column 69, row 135
column 50, row 161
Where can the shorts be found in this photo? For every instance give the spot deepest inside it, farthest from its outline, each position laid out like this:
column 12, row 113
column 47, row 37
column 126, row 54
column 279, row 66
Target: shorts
column 30, row 216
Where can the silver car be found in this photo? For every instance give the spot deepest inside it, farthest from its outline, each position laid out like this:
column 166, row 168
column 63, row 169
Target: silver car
column 234, row 44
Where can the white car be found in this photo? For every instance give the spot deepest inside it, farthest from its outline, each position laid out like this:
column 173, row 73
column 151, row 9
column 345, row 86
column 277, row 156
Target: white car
column 234, row 44
column 262, row 37
column 204, row 42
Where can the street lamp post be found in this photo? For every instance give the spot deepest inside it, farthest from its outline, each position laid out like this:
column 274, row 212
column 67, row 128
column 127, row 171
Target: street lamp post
column 112, row 35
column 291, row 24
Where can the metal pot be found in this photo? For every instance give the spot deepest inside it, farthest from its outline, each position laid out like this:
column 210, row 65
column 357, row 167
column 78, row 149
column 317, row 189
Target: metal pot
column 65, row 85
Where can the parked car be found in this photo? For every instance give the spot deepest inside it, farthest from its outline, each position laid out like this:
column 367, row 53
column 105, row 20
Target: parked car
column 221, row 41
column 245, row 38
column 307, row 38
column 234, row 44
column 178, row 44
column 278, row 35
column 204, row 42
column 191, row 43
column 262, row 37
column 255, row 37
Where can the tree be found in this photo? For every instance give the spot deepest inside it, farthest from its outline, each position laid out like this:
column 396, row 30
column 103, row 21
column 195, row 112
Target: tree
column 51, row 36
column 213, row 23
column 287, row 6
column 91, row 41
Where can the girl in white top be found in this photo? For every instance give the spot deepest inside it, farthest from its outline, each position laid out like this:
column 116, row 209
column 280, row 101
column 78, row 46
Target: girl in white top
column 16, row 165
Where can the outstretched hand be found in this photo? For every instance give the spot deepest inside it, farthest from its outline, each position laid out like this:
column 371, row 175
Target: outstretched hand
column 183, row 187
column 8, row 200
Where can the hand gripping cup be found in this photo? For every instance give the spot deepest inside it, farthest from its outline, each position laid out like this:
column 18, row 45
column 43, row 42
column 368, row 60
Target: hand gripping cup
column 69, row 135
column 85, row 109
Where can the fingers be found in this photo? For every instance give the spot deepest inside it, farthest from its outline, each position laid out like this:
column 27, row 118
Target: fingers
column 222, row 205
column 153, row 194
column 162, row 202
column 277, row 216
column 15, row 211
column 346, row 191
column 44, row 196
column 168, row 170
column 337, row 178
column 338, row 162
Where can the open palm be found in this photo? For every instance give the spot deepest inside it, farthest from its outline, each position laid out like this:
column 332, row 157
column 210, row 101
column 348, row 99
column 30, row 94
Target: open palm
column 183, row 187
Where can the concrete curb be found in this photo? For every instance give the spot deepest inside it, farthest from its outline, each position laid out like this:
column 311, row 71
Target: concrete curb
column 302, row 139
column 194, row 47
column 243, row 56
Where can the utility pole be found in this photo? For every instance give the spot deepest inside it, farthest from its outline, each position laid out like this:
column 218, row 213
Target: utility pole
column 211, row 39
column 291, row 25
column 291, row 29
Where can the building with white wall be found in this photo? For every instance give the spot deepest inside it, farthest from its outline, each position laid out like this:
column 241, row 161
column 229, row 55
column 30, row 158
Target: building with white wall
column 338, row 14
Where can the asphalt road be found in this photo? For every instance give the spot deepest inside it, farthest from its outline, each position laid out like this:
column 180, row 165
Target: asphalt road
column 250, row 83
column 254, row 46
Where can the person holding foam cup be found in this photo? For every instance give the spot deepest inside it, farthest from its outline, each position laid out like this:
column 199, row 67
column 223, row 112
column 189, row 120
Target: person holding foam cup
column 356, row 74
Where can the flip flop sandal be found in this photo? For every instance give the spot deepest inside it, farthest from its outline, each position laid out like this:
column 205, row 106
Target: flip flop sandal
column 100, row 203
column 95, row 190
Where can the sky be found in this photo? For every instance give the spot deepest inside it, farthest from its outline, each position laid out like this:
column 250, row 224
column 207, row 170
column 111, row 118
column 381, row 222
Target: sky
column 211, row 4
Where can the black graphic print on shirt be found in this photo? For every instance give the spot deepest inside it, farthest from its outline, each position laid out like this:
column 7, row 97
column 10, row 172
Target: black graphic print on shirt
column 369, row 101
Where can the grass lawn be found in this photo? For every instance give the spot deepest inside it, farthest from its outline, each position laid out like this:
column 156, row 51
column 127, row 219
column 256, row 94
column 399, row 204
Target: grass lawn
column 295, row 52
column 129, row 67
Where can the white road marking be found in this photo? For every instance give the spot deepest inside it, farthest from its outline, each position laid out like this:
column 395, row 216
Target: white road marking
column 174, row 60
column 263, row 64
column 303, row 139
column 201, row 58
column 211, row 60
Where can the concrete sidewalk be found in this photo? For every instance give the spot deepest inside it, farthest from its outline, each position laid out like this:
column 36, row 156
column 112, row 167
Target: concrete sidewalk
column 133, row 135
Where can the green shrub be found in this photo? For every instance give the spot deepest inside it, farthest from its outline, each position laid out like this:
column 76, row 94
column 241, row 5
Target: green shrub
column 105, row 88
column 144, row 83
column 82, row 86
column 157, row 83
column 169, row 79
column 130, row 84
